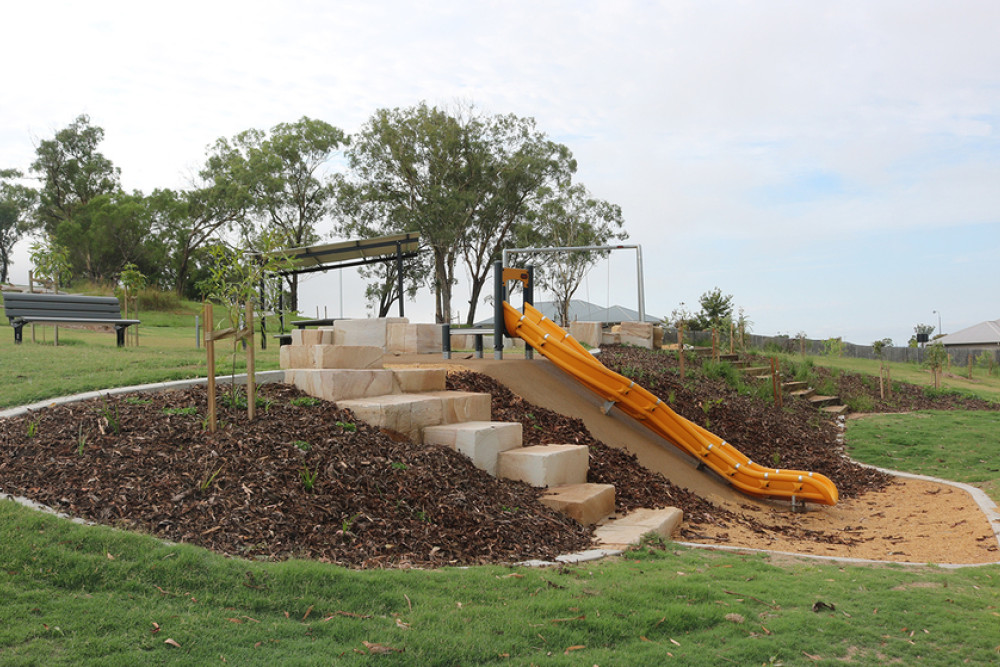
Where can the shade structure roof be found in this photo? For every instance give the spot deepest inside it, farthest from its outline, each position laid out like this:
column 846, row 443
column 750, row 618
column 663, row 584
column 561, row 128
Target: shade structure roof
column 349, row 253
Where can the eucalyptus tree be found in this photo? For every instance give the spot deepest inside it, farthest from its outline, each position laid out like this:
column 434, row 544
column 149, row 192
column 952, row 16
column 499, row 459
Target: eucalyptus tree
column 519, row 166
column 17, row 202
column 283, row 174
column 571, row 217
column 72, row 172
column 188, row 221
column 461, row 180
column 409, row 170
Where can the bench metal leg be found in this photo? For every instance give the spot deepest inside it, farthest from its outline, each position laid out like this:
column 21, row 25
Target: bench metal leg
column 120, row 331
column 17, row 333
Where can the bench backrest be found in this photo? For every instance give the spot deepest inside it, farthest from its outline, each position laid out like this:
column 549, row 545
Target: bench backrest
column 26, row 304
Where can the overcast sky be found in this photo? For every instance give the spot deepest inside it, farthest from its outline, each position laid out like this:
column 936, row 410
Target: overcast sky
column 835, row 166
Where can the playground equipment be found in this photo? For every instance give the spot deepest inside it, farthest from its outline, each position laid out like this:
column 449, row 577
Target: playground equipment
column 556, row 345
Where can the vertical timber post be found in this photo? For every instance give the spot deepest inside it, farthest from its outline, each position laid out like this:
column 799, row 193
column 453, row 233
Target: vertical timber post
column 210, row 356
column 251, row 382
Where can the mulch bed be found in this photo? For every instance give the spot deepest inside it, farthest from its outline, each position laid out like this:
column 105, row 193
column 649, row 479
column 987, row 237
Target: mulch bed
column 145, row 462
column 377, row 500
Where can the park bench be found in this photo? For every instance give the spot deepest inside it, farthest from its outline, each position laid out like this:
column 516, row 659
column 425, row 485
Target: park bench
column 69, row 309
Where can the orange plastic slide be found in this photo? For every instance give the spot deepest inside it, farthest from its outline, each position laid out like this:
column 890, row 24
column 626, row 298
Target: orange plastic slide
column 751, row 478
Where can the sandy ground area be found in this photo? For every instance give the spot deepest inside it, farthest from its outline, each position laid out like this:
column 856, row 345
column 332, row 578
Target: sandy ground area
column 912, row 521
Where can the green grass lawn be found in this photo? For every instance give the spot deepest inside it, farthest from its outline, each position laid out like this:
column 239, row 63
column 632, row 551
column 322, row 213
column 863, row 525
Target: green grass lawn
column 963, row 446
column 87, row 361
column 75, row 594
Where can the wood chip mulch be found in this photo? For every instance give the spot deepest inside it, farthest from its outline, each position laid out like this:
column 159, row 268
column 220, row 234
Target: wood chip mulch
column 377, row 500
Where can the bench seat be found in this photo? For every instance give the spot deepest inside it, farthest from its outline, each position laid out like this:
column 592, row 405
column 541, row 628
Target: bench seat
column 28, row 308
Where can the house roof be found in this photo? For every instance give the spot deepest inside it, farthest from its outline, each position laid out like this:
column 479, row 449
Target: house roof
column 582, row 311
column 984, row 333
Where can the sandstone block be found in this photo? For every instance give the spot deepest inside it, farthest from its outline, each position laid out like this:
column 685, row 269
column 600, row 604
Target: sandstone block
column 586, row 503
column 545, row 465
column 295, row 356
column 364, row 332
column 480, row 441
column 630, row 529
column 407, row 414
column 346, row 356
column 312, row 337
column 588, row 333
column 417, row 380
column 637, row 333
column 462, row 406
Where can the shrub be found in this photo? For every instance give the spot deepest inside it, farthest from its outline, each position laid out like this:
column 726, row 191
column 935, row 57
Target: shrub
column 859, row 403
column 158, row 300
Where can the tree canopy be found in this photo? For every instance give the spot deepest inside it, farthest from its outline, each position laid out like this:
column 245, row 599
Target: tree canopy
column 571, row 217
column 463, row 180
column 17, row 204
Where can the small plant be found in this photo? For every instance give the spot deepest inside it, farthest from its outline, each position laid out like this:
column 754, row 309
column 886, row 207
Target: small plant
column 305, row 402
column 776, row 459
column 398, row 465
column 308, row 479
column 833, row 347
column 423, row 516
column 303, row 445
column 348, row 523
column 188, row 410
column 937, row 358
column 509, row 510
column 110, row 414
column 32, row 428
column 207, row 482
column 135, row 400
column 81, row 440
column 348, row 426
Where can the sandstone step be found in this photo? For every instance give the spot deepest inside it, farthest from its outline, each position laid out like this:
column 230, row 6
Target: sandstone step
column 545, row 465
column 794, row 385
column 834, row 409
column 586, row 503
column 342, row 384
column 462, row 406
column 416, row 380
column 480, row 441
column 409, row 414
column 330, row 356
column 630, row 528
column 802, row 393
column 757, row 370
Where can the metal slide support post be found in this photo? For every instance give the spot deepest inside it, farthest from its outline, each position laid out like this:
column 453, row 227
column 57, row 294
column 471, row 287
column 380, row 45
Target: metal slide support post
column 499, row 297
column 529, row 297
column 446, row 340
